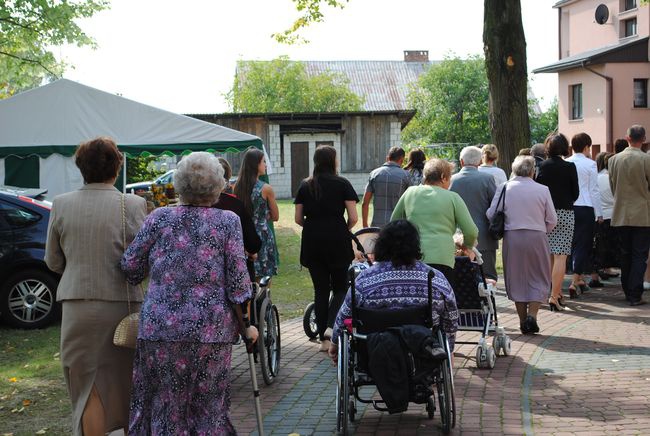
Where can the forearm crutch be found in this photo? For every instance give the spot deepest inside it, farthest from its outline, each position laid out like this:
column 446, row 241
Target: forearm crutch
column 242, row 314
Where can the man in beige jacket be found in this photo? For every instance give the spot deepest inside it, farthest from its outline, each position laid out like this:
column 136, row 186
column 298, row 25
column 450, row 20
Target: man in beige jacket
column 629, row 178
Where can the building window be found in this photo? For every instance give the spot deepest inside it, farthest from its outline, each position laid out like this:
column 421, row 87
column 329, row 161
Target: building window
column 640, row 92
column 629, row 27
column 576, row 101
column 629, row 4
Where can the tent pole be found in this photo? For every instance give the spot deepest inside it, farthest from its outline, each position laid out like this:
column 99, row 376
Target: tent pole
column 124, row 174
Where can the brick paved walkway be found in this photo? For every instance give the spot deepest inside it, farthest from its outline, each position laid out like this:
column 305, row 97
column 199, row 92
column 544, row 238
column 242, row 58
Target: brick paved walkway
column 587, row 372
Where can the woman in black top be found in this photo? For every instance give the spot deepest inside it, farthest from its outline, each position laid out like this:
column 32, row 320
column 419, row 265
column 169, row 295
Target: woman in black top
column 561, row 177
column 326, row 246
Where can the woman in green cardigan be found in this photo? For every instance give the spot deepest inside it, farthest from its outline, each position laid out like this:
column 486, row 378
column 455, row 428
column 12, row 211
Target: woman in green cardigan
column 437, row 212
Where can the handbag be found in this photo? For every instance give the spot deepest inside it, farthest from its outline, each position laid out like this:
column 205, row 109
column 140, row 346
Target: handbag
column 126, row 332
column 497, row 225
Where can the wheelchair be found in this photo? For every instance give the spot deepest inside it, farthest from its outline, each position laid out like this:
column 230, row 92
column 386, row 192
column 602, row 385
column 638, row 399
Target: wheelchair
column 352, row 365
column 265, row 317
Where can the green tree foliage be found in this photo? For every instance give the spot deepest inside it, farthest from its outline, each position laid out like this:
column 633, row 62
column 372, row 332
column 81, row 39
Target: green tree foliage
column 451, row 99
column 310, row 12
column 29, row 29
column 541, row 124
column 141, row 169
column 282, row 85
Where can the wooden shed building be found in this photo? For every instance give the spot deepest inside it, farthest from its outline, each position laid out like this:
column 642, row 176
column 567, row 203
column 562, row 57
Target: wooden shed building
column 362, row 139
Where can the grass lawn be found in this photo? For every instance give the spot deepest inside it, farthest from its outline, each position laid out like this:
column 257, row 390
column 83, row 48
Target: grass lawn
column 33, row 398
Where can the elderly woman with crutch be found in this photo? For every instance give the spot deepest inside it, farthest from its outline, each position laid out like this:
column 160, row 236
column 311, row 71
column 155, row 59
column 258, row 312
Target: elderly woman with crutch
column 191, row 314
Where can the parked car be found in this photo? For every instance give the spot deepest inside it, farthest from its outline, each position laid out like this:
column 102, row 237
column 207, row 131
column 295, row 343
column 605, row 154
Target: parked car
column 133, row 188
column 27, row 286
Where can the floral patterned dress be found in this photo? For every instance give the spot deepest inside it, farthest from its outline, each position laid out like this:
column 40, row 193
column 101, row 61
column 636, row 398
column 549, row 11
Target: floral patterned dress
column 197, row 269
column 267, row 257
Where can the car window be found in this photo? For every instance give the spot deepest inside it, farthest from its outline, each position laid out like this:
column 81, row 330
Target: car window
column 169, row 178
column 17, row 216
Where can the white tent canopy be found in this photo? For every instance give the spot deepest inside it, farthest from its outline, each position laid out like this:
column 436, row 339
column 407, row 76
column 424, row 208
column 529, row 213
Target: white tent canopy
column 41, row 128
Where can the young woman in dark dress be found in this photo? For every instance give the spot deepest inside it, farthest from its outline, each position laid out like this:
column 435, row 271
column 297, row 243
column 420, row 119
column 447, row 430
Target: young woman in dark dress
column 326, row 246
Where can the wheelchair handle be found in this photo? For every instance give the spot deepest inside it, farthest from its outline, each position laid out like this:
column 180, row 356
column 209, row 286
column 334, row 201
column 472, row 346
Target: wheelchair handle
column 360, row 248
column 352, row 279
column 430, row 277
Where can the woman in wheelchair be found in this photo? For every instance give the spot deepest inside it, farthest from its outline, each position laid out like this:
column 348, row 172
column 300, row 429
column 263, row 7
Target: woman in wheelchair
column 398, row 280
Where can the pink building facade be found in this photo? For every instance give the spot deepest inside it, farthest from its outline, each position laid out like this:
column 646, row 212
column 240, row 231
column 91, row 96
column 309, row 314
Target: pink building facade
column 603, row 69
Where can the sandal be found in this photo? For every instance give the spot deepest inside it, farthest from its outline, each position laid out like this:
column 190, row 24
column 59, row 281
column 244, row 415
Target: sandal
column 573, row 291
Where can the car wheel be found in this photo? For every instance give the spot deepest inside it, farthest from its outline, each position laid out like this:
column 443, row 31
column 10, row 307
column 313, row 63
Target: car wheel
column 28, row 299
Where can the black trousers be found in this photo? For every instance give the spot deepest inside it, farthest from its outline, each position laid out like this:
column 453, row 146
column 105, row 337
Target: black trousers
column 328, row 279
column 634, row 243
column 448, row 272
column 583, row 240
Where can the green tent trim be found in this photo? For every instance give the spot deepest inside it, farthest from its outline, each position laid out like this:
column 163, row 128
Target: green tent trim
column 137, row 150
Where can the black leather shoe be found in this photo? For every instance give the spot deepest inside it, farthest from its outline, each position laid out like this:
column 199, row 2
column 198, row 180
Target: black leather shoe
column 596, row 284
column 532, row 324
column 637, row 303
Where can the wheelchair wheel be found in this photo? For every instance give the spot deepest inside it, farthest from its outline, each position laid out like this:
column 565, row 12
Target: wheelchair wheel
column 269, row 341
column 342, row 386
column 431, row 407
column 309, row 321
column 352, row 410
column 445, row 398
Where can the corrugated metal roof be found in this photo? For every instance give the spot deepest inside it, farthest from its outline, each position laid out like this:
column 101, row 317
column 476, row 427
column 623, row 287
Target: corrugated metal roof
column 383, row 84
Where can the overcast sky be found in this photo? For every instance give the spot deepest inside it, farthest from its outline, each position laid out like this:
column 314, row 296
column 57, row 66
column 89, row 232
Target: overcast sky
column 181, row 55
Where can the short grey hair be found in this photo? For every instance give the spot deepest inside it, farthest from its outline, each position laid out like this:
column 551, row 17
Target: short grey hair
column 636, row 133
column 538, row 150
column 436, row 169
column 471, row 155
column 199, row 178
column 523, row 166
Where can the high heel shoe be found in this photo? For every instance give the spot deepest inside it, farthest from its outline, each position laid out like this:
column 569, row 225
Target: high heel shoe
column 573, row 291
column 554, row 305
column 560, row 300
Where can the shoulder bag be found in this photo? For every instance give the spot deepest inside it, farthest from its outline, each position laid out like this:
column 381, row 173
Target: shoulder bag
column 126, row 332
column 498, row 221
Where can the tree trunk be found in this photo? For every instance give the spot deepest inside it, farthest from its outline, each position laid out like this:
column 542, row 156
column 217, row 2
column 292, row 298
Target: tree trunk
column 504, row 44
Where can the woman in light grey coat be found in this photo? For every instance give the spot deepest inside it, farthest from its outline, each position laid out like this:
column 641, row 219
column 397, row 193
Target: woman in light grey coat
column 530, row 215
column 85, row 245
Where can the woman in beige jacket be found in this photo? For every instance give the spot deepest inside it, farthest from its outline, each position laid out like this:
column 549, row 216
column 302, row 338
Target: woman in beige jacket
column 84, row 245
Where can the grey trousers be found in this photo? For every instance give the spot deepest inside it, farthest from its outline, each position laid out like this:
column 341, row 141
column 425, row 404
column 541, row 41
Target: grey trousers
column 489, row 263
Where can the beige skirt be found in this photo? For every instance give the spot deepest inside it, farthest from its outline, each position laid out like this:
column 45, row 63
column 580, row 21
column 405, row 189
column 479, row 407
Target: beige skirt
column 89, row 357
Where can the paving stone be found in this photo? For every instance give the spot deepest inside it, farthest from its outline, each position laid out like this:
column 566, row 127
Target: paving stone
column 587, row 372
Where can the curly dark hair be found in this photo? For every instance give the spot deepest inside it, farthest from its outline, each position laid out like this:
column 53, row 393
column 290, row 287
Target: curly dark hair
column 99, row 160
column 398, row 242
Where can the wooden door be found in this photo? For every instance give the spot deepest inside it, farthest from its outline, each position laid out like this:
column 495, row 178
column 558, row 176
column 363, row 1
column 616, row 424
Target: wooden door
column 299, row 164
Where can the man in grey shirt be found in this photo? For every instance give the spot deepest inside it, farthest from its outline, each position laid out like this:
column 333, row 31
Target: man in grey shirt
column 386, row 185
column 477, row 188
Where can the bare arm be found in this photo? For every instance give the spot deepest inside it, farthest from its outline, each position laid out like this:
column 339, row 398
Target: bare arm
column 353, row 217
column 299, row 216
column 269, row 196
column 364, row 208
